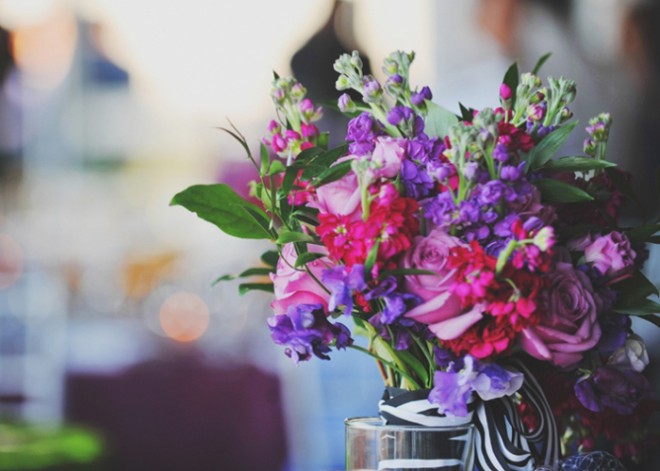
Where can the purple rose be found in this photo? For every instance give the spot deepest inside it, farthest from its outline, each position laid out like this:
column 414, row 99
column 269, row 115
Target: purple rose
column 294, row 286
column 570, row 325
column 430, row 253
column 611, row 255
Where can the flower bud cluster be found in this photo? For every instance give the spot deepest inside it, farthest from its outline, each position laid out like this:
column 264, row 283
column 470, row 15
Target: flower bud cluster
column 599, row 133
column 295, row 130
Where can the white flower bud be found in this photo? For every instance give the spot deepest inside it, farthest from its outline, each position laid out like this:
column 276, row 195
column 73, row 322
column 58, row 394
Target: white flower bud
column 633, row 354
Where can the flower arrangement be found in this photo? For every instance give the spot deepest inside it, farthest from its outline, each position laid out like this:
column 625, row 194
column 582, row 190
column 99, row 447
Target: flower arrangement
column 454, row 244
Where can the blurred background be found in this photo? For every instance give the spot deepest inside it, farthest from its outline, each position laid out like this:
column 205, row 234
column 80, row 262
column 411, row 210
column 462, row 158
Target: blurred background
column 116, row 352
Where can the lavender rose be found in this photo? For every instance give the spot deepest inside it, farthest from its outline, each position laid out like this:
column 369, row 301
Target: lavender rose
column 430, row 253
column 294, row 286
column 570, row 325
column 611, row 255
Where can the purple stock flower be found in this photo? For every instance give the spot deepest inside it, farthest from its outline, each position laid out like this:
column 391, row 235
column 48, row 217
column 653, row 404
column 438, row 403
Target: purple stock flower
column 416, row 181
column 501, row 153
column 342, row 283
column 361, row 134
column 418, row 98
column 495, row 191
column 513, row 173
column 305, row 331
column 398, row 114
column 439, row 209
column 609, row 387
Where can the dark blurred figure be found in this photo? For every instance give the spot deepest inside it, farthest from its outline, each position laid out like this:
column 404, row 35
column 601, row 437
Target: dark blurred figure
column 312, row 65
column 181, row 414
column 10, row 158
column 641, row 50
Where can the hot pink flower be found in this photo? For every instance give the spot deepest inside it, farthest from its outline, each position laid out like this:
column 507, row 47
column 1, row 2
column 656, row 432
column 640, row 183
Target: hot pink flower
column 294, row 286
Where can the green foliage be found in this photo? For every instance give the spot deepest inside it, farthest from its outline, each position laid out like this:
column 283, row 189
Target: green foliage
column 556, row 191
column 438, row 120
column 548, row 147
column 222, row 207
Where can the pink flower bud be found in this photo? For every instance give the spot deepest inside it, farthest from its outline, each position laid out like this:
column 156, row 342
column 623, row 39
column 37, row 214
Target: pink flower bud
column 505, row 92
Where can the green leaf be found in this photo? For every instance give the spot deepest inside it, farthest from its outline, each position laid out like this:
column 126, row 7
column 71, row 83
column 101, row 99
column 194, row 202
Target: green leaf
column 635, row 288
column 245, row 287
column 577, row 164
column 265, row 160
column 270, row 258
column 466, row 113
column 276, row 166
column 245, row 274
column 305, row 258
column 556, row 191
column 333, row 173
column 644, row 233
column 286, row 237
column 643, row 307
column 549, row 146
column 512, row 78
column 371, row 259
column 542, row 60
column 406, row 271
column 438, row 120
column 224, row 208
column 414, row 363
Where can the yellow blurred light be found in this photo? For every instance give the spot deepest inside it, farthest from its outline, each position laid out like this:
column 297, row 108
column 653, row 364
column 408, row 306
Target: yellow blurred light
column 184, row 316
column 11, row 261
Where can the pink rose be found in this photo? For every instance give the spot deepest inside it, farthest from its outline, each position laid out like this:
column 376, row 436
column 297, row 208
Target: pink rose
column 430, row 253
column 341, row 197
column 385, row 161
column 294, row 286
column 570, row 325
column 611, row 255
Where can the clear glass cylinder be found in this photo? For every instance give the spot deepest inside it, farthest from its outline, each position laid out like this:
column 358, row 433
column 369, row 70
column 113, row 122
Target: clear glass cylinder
column 372, row 445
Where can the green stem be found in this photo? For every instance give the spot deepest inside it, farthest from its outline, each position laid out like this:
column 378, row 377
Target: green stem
column 389, row 364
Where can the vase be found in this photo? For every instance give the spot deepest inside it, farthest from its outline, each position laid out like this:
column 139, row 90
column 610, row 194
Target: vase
column 371, row 444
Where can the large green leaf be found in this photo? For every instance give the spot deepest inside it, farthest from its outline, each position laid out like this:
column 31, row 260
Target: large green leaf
column 644, row 307
column 438, row 120
column 577, row 164
column 224, row 208
column 635, row 288
column 549, row 146
column 556, row 191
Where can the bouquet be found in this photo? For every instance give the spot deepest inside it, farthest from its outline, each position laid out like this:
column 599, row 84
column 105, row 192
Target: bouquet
column 481, row 269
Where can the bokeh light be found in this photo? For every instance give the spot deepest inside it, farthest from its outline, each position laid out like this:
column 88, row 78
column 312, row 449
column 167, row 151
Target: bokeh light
column 184, row 316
